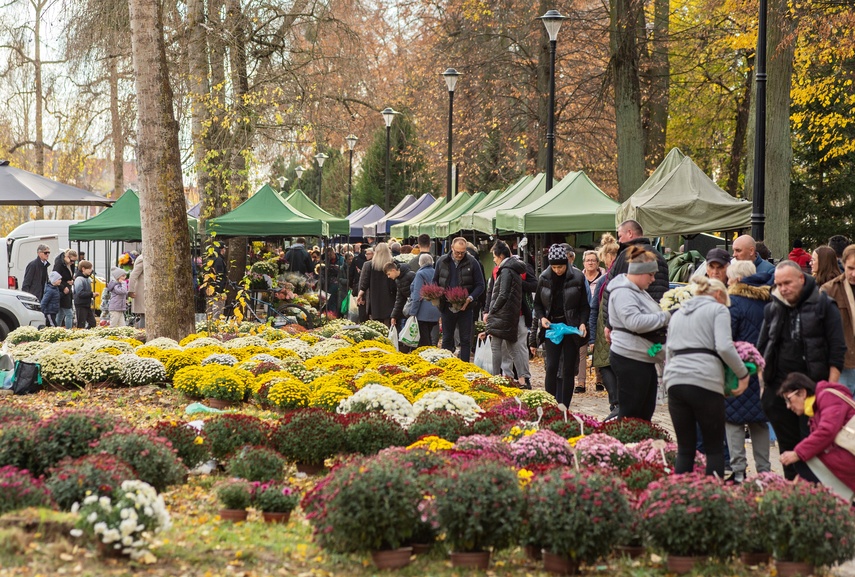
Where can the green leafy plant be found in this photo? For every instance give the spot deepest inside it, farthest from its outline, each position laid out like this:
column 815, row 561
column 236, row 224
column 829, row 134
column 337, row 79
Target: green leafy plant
column 70, row 434
column 71, row 480
column 189, row 444
column 368, row 434
column 309, row 436
column 19, row 490
column 235, row 494
column 444, row 424
column 18, row 443
column 276, row 497
column 479, row 505
column 576, row 515
column 152, row 457
column 229, row 432
column 257, row 464
column 633, row 430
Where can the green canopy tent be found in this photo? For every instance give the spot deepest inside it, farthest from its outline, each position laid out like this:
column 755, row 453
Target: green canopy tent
column 467, row 221
column 527, row 192
column 442, row 227
column 426, row 225
column 683, row 200
column 304, row 204
column 120, row 222
column 266, row 214
column 408, row 228
column 573, row 205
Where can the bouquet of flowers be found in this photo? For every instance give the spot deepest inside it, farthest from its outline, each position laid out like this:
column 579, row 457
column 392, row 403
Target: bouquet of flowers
column 753, row 360
column 456, row 297
column 431, row 292
column 674, row 298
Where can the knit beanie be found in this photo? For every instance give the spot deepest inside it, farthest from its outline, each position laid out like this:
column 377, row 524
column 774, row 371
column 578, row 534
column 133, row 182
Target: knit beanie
column 117, row 273
column 557, row 255
column 54, row 276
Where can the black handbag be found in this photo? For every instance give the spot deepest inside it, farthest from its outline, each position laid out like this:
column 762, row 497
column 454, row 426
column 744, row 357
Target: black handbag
column 27, row 378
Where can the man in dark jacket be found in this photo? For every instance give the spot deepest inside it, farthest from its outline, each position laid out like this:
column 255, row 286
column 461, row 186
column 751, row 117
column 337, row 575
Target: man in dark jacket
column 66, row 265
column 630, row 233
column 505, row 323
column 298, row 258
column 458, row 268
column 802, row 332
column 36, row 273
column 403, row 277
column 424, row 248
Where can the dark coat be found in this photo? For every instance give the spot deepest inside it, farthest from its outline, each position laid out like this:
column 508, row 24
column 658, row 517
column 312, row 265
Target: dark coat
column 821, row 332
column 529, row 285
column 470, row 276
column 379, row 290
column 222, row 272
column 506, row 301
column 403, row 284
column 50, row 300
column 656, row 289
column 830, row 413
column 298, row 259
column 35, row 277
column 83, row 291
column 577, row 311
column 836, row 290
column 746, row 318
column 65, row 299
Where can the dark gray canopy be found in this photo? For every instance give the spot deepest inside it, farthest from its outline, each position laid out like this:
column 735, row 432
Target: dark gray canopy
column 21, row 188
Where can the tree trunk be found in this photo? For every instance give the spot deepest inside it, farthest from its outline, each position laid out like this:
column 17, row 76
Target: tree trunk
column 215, row 200
column 197, row 59
column 659, row 84
column 116, row 125
column 39, row 96
column 737, row 148
column 169, row 304
column 624, row 64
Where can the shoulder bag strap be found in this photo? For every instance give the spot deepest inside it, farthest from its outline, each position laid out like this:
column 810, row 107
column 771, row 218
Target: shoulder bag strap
column 849, row 401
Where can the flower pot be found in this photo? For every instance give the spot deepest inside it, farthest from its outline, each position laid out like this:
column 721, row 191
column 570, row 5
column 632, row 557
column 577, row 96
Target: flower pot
column 754, row 558
column 793, row 569
column 309, row 469
column 220, row 404
column 533, row 552
column 435, row 302
column 276, row 517
column 233, row 515
column 559, row 564
column 682, row 564
column 422, row 548
column 392, row 558
column 631, row 551
column 471, row 559
column 107, row 551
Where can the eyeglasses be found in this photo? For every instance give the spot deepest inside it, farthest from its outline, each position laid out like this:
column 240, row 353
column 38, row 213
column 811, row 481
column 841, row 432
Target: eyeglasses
column 787, row 398
column 45, row 252
column 459, row 254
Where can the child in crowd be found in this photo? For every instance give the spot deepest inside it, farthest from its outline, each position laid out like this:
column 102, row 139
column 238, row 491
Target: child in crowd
column 83, row 296
column 118, row 297
column 50, row 300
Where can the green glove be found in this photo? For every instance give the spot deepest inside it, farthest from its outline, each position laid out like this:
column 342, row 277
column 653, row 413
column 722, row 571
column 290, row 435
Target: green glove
column 654, row 350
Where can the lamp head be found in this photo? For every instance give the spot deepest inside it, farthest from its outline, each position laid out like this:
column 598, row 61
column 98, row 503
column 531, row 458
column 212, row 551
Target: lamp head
column 321, row 158
column 389, row 116
column 552, row 21
column 451, row 75
column 299, row 170
column 351, row 141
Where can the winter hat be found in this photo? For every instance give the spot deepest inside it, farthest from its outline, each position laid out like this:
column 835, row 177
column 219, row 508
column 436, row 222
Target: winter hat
column 117, row 273
column 54, row 276
column 797, row 243
column 557, row 254
column 718, row 255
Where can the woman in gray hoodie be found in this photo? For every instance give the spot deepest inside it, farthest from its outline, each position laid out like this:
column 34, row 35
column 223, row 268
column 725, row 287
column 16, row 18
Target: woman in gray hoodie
column 699, row 341
column 637, row 325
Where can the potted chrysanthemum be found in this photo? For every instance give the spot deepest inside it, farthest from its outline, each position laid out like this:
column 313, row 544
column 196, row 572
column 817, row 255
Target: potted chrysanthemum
column 276, row 501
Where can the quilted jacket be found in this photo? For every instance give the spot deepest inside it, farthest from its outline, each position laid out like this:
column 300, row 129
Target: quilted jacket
column 747, row 302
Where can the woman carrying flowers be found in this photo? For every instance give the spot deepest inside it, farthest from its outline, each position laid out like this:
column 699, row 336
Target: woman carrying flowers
column 423, row 310
column 747, row 301
column 699, row 339
column 817, row 458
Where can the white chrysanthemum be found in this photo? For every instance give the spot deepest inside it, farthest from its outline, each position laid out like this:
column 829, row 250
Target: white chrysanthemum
column 451, row 401
column 97, row 368
column 203, row 342
column 164, row 343
column 377, row 398
column 141, row 371
column 220, row 359
column 250, row 341
column 433, row 354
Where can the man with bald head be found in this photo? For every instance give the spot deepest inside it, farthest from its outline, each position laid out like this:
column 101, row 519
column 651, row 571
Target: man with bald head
column 745, row 248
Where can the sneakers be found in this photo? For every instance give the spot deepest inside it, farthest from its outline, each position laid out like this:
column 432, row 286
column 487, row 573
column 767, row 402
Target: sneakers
column 579, row 389
column 735, row 478
column 613, row 415
column 527, row 385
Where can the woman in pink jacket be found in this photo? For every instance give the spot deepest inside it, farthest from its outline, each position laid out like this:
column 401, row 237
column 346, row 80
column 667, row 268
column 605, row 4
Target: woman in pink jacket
column 817, row 458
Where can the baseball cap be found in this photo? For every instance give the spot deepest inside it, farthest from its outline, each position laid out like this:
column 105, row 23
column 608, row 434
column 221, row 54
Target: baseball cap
column 719, row 255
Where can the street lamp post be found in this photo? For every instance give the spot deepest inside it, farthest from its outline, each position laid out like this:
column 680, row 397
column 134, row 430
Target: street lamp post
column 299, row 170
column 552, row 22
column 451, row 75
column 282, row 180
column 758, row 214
column 388, row 117
column 321, row 158
column 351, row 142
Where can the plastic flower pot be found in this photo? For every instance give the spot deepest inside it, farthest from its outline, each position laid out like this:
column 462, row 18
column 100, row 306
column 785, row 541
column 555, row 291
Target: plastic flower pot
column 392, row 558
column 233, row 515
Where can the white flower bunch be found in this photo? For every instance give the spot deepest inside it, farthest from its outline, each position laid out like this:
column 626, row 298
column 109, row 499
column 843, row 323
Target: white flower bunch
column 97, row 367
column 97, row 344
column 377, row 398
column 121, row 332
column 203, row 342
column 59, row 368
column 126, row 522
column 675, row 297
column 327, row 347
column 450, row 401
column 220, row 359
column 265, row 358
column 433, row 354
column 163, row 343
column 55, row 334
column 23, row 335
column 141, row 371
column 250, row 341
column 300, row 347
column 536, row 399
column 27, row 351
column 472, row 375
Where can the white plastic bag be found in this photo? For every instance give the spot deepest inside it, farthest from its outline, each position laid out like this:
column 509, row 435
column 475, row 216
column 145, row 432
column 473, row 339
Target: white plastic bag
column 353, row 310
column 410, row 334
column 484, row 354
column 393, row 336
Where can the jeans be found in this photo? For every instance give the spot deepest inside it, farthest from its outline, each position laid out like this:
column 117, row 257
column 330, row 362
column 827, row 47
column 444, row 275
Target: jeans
column 461, row 321
column 426, row 336
column 759, row 445
column 508, row 355
column 610, row 383
column 568, row 352
column 638, row 384
column 847, row 379
column 86, row 318
column 690, row 406
column 789, row 427
column 65, row 318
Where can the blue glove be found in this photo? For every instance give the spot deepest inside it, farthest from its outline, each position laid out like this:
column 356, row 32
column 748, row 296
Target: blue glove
column 556, row 332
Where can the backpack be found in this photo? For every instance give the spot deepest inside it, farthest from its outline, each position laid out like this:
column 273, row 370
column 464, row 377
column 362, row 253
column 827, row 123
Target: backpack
column 27, row 378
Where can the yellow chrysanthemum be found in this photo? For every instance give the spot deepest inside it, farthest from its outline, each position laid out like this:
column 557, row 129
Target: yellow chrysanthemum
column 288, row 393
column 524, row 476
column 328, row 397
column 431, row 443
